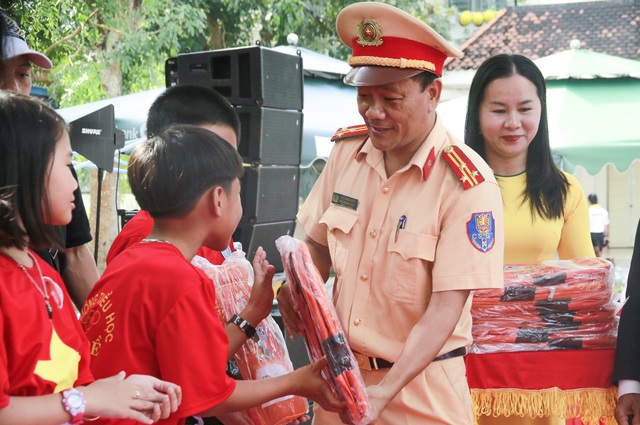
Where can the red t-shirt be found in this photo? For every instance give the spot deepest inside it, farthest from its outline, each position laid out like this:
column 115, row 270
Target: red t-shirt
column 139, row 228
column 38, row 355
column 152, row 312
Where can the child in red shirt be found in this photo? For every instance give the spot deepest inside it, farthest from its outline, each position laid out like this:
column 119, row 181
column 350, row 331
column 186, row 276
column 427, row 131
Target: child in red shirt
column 44, row 354
column 183, row 104
column 153, row 311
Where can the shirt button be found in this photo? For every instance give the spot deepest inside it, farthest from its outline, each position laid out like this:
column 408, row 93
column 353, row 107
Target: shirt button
column 364, row 277
column 357, row 322
column 373, row 234
column 385, row 190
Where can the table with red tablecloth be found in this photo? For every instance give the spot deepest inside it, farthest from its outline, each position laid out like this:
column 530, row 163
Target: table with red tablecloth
column 558, row 383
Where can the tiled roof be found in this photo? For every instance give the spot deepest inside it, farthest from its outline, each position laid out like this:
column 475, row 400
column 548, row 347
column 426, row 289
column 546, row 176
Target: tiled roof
column 611, row 27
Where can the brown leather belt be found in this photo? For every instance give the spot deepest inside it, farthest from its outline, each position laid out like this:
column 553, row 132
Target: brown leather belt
column 375, row 363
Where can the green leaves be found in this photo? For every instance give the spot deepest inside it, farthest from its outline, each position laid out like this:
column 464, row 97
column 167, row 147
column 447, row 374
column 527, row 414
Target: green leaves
column 112, row 47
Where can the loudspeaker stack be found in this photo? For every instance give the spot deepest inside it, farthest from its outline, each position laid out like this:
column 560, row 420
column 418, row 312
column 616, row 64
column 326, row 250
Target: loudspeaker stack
column 266, row 88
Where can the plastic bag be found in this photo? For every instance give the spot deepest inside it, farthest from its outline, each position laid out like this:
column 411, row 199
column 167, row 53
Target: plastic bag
column 548, row 305
column 266, row 358
column 323, row 332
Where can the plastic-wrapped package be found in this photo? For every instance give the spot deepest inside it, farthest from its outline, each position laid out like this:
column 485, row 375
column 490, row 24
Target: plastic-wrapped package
column 266, row 358
column 323, row 332
column 548, row 305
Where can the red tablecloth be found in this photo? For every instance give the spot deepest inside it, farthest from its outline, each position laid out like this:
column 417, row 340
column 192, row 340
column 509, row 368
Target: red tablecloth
column 561, row 383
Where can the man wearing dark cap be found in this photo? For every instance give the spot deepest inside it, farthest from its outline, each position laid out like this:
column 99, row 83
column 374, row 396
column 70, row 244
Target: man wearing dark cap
column 409, row 219
column 76, row 264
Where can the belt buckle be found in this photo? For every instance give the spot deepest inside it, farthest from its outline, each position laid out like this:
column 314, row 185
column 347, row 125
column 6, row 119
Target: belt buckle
column 362, row 360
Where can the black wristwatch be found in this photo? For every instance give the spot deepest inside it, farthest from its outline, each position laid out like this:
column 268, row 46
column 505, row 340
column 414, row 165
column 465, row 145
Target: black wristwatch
column 245, row 326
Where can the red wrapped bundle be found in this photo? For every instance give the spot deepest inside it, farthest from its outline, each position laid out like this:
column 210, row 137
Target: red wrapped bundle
column 323, row 333
column 266, row 358
column 549, row 305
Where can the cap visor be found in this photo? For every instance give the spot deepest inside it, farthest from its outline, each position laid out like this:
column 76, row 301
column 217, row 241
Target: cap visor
column 40, row 60
column 378, row 75
column 14, row 46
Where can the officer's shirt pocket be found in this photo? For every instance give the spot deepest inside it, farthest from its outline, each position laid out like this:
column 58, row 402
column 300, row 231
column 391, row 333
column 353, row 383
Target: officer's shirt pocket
column 340, row 222
column 409, row 263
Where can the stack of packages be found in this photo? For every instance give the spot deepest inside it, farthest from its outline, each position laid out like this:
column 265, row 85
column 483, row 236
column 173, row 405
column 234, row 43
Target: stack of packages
column 549, row 305
column 266, row 358
column 324, row 335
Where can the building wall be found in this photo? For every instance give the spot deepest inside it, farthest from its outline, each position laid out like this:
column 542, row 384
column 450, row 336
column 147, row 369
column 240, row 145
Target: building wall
column 619, row 193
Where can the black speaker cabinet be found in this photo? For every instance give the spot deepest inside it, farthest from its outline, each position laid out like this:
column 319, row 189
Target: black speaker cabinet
column 270, row 136
column 269, row 193
column 265, row 234
column 252, row 75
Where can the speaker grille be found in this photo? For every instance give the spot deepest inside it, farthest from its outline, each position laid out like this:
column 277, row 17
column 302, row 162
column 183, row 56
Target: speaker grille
column 269, row 193
column 270, row 136
column 266, row 88
column 247, row 75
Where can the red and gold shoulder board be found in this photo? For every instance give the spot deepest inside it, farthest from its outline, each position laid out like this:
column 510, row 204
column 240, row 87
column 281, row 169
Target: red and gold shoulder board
column 346, row 132
column 464, row 170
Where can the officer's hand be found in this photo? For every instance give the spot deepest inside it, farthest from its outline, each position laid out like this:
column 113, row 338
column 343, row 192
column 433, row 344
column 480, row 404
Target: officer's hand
column 379, row 399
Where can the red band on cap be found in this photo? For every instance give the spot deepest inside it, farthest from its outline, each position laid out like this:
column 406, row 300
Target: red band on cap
column 402, row 48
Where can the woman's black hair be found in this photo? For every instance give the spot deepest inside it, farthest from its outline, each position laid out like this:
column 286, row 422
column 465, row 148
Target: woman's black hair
column 547, row 186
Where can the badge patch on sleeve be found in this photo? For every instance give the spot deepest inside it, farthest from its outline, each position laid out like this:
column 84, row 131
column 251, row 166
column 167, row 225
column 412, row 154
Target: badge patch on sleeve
column 481, row 231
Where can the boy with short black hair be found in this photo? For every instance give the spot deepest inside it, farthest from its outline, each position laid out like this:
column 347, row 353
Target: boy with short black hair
column 152, row 302
column 183, row 104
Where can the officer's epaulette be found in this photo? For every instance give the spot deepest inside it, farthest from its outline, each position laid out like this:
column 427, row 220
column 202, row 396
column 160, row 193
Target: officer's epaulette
column 345, row 132
column 464, row 170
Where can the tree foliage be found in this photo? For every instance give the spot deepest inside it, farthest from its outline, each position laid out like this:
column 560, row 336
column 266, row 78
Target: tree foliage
column 108, row 48
column 112, row 47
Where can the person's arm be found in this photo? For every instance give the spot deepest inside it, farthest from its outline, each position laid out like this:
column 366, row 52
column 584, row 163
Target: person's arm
column 322, row 260
column 142, row 398
column 80, row 274
column 320, row 256
column 626, row 372
column 628, row 386
column 260, row 302
column 425, row 340
column 305, row 382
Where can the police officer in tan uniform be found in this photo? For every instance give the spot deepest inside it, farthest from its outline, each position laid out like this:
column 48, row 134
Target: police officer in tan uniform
column 409, row 219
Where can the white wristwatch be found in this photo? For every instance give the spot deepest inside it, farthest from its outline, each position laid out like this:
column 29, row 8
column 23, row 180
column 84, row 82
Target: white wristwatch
column 74, row 403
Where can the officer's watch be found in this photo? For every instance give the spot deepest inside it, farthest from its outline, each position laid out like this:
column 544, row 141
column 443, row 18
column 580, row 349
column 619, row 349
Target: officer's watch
column 245, row 326
column 74, row 403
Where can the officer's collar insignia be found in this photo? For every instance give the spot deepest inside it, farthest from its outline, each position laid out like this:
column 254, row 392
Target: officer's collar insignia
column 369, row 33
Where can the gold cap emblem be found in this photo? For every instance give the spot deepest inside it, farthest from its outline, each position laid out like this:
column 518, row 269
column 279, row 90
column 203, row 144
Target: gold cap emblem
column 369, row 33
